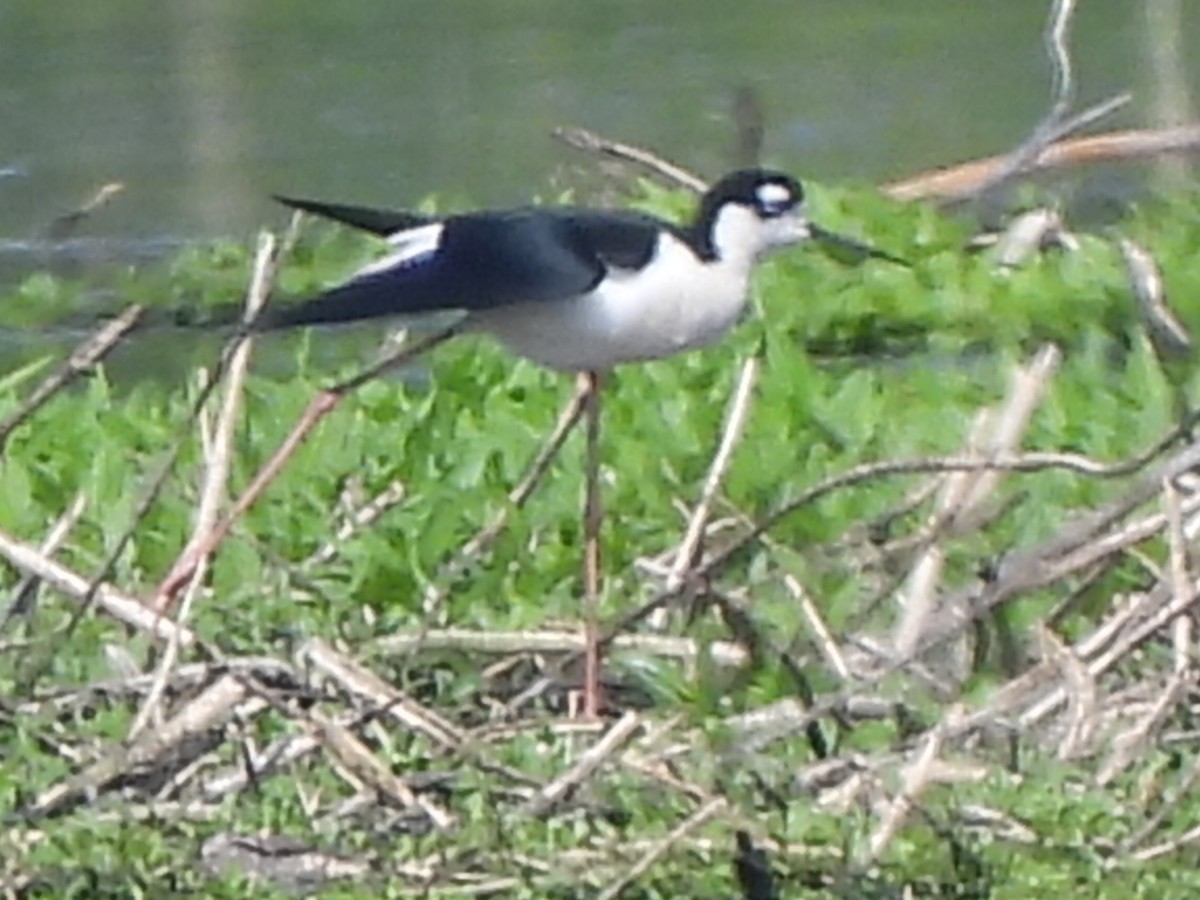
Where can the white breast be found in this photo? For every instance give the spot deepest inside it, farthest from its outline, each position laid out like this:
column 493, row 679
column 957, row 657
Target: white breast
column 676, row 303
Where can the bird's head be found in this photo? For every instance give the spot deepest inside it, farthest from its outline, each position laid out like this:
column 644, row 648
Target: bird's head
column 751, row 211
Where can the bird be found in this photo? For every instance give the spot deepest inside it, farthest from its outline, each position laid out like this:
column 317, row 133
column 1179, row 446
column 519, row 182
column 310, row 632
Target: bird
column 573, row 289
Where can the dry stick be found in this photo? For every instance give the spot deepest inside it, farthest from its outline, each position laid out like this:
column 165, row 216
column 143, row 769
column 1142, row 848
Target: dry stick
column 1021, row 462
column 918, row 595
column 1034, row 568
column 1062, row 91
column 356, row 520
column 219, row 462
column 1038, row 570
column 591, row 142
column 324, row 403
column 1091, row 648
column 1188, row 839
column 660, row 849
column 186, row 679
column 1167, row 810
column 1081, row 692
column 356, row 678
column 735, row 421
column 1028, row 388
column 966, row 179
column 1179, row 573
column 822, row 635
column 1126, row 747
column 923, row 770
column 217, row 469
column 965, row 492
column 24, row 593
column 65, row 225
column 157, row 481
column 593, row 517
column 209, row 710
column 568, row 418
column 123, row 607
column 1025, row 462
column 687, row 650
column 362, row 765
column 1112, row 638
column 548, row 798
column 82, row 359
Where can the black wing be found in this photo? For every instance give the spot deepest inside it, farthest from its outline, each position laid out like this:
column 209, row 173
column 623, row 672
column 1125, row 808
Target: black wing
column 382, row 222
column 621, row 238
column 482, row 261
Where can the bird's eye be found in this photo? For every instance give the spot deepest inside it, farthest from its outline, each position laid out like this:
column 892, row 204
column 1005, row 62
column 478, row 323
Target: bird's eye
column 774, row 199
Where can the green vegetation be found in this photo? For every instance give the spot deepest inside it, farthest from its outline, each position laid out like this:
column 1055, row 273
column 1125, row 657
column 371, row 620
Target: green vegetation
column 859, row 364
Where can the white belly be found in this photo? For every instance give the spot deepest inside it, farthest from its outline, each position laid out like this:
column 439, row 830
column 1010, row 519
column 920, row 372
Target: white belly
column 682, row 304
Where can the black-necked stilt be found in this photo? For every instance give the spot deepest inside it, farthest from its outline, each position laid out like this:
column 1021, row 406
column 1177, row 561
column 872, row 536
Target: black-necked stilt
column 577, row 290
column 574, row 289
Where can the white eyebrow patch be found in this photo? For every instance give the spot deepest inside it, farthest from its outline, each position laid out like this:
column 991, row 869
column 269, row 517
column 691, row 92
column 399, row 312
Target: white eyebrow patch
column 773, row 195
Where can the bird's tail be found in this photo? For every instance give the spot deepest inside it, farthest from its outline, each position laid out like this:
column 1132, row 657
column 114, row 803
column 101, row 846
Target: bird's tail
column 329, row 308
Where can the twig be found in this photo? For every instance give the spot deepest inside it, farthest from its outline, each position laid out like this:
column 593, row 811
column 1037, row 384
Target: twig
column 735, row 421
column 82, row 359
column 363, row 764
column 918, row 774
column 1125, row 747
column 217, row 470
column 591, row 142
column 219, row 461
column 118, row 605
column 660, row 849
column 1062, row 92
column 966, row 179
column 965, row 492
column 816, row 623
column 149, row 496
column 457, row 565
column 1180, row 578
column 23, row 595
column 548, row 798
column 209, row 710
column 357, row 520
column 356, row 678
column 688, row 650
column 321, row 405
column 63, row 226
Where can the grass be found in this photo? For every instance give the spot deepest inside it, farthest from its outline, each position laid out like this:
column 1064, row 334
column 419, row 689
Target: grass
column 316, row 699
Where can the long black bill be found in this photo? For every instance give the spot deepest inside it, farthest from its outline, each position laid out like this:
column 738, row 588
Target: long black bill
column 849, row 251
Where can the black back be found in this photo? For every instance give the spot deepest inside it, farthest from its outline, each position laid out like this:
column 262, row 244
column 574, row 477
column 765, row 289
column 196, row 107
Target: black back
column 525, row 255
column 484, row 260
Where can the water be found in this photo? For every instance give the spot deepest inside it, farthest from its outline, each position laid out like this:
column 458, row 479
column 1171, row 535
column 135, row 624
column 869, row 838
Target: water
column 204, row 108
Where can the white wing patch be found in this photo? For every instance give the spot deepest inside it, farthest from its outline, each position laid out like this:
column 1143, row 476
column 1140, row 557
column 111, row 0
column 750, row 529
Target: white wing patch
column 410, row 247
